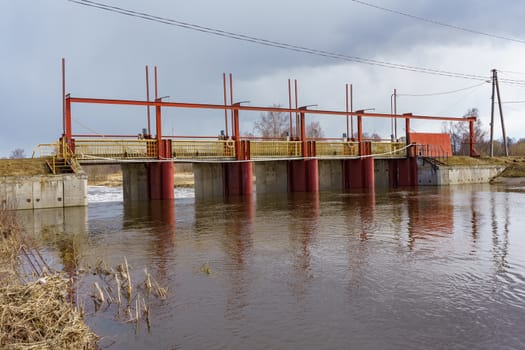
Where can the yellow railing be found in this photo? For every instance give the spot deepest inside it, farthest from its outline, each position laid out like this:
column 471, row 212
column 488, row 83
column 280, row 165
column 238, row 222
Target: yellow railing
column 107, row 149
column 46, row 150
column 336, row 149
column 275, row 149
column 209, row 149
column 115, row 149
column 389, row 149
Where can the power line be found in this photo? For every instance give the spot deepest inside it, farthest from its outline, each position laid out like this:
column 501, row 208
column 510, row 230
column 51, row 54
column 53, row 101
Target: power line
column 443, row 24
column 513, row 102
column 444, row 92
column 282, row 45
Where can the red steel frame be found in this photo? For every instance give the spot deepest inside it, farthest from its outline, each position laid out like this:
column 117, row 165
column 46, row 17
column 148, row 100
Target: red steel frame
column 235, row 108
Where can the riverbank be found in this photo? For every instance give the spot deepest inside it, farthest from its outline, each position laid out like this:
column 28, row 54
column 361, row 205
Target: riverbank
column 35, row 306
column 514, row 166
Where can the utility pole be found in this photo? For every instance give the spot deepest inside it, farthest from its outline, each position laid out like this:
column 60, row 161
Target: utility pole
column 495, row 87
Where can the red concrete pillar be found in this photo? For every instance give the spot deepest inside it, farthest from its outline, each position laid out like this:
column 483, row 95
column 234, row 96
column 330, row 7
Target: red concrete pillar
column 154, row 180
column 167, row 180
column 238, row 179
column 352, row 174
column 407, row 172
column 312, row 175
column 368, row 173
column 359, row 173
column 413, row 171
column 303, row 175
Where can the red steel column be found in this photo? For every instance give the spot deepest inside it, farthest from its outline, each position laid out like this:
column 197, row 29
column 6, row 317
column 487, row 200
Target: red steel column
column 154, row 180
column 303, row 134
column 167, row 172
column 67, row 121
column 158, row 126
column 368, row 167
column 312, row 175
column 238, row 179
column 236, row 132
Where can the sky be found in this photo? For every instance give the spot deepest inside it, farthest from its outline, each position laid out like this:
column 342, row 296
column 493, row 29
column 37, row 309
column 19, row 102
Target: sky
column 106, row 54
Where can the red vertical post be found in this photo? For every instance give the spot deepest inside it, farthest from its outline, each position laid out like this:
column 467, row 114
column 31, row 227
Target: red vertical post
column 156, row 83
column 68, row 132
column 236, row 131
column 407, row 126
column 303, row 134
column 225, row 104
column 351, row 110
column 407, row 132
column 63, row 96
column 290, row 106
column 231, row 99
column 395, row 112
column 347, row 116
column 158, row 124
column 147, row 99
column 359, row 129
column 296, row 107
column 167, row 172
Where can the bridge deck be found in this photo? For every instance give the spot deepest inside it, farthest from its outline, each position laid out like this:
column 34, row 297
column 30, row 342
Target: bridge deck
column 118, row 150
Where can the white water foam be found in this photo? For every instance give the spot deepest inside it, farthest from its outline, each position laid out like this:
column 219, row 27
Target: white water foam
column 101, row 194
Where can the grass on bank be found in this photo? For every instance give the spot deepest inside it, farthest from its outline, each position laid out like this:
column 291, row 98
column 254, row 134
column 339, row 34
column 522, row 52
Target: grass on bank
column 514, row 166
column 35, row 311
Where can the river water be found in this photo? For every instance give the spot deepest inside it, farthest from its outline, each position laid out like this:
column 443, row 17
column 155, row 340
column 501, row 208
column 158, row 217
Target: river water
column 427, row 268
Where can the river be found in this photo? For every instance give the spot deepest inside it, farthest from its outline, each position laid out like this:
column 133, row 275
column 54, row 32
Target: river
column 427, row 268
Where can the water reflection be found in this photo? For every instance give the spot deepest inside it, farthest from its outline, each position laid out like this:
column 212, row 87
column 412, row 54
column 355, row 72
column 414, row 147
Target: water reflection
column 64, row 230
column 304, row 211
column 430, row 214
column 156, row 218
column 428, row 268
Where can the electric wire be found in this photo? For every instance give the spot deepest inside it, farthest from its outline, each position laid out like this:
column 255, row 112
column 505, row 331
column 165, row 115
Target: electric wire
column 444, row 92
column 286, row 46
column 443, row 24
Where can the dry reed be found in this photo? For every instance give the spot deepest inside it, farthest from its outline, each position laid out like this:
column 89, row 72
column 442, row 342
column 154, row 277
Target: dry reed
column 35, row 314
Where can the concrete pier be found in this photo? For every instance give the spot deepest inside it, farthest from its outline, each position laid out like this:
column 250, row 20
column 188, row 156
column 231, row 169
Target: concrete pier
column 43, row 191
column 144, row 181
column 223, row 179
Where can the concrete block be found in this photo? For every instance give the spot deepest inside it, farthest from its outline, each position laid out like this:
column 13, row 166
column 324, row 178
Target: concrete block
column 271, row 177
column 209, row 180
column 47, row 191
column 19, row 192
column 330, row 175
column 135, row 182
column 381, row 173
column 75, row 190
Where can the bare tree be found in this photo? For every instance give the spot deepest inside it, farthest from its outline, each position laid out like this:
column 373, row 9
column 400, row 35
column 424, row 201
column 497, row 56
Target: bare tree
column 314, row 130
column 277, row 124
column 374, row 136
column 460, row 134
column 272, row 124
column 17, row 153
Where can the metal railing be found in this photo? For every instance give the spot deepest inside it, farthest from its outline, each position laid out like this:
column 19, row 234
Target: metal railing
column 337, row 149
column 389, row 149
column 59, row 154
column 121, row 149
column 210, row 149
column 275, row 149
column 115, row 149
column 45, row 150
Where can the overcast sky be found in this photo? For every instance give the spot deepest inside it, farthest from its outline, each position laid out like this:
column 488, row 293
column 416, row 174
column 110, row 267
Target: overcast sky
column 106, row 54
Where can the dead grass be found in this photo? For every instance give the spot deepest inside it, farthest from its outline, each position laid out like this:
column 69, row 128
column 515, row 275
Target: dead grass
column 23, row 167
column 35, row 314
